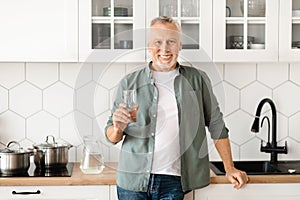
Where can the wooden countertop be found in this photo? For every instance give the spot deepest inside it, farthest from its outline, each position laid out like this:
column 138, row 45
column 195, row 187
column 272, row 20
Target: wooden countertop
column 259, row 179
column 108, row 177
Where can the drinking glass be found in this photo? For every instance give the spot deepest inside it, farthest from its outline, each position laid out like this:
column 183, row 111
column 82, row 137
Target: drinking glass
column 129, row 98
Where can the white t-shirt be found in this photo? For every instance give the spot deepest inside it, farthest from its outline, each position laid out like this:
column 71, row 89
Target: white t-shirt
column 166, row 158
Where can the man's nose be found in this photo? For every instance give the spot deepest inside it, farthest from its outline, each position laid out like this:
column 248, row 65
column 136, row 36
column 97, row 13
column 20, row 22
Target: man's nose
column 165, row 46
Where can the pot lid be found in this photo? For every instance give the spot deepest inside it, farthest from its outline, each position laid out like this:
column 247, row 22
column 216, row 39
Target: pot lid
column 7, row 151
column 13, row 147
column 50, row 144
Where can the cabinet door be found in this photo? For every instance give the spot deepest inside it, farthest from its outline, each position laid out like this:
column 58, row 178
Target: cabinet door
column 251, row 22
column 39, row 30
column 289, row 30
column 252, row 197
column 55, row 192
column 195, row 18
column 278, row 191
column 112, row 30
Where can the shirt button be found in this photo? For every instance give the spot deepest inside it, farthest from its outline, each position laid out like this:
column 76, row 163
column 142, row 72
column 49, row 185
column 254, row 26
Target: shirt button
column 152, row 134
column 155, row 97
column 154, row 115
column 148, row 171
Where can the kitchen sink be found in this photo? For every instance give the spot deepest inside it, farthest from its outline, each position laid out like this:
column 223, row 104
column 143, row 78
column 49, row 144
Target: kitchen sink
column 260, row 167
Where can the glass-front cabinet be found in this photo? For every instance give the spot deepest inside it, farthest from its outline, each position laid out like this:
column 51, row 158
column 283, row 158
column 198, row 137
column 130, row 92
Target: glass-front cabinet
column 195, row 18
column 111, row 30
column 245, row 30
column 116, row 30
column 289, row 32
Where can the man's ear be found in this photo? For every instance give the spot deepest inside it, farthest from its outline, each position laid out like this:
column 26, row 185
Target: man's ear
column 148, row 47
column 180, row 46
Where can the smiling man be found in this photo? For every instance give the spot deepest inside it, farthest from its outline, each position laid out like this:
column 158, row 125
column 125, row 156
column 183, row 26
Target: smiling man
column 164, row 45
column 164, row 153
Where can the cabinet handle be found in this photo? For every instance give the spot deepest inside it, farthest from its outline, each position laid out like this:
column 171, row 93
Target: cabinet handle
column 26, row 193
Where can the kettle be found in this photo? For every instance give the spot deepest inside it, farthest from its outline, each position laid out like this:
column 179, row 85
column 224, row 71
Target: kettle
column 92, row 159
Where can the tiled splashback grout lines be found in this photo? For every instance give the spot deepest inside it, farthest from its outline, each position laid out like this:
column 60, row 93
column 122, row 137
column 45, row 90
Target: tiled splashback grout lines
column 37, row 99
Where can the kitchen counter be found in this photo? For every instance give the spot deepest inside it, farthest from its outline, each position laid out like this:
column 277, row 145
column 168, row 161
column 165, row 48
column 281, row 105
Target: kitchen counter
column 260, row 179
column 108, row 177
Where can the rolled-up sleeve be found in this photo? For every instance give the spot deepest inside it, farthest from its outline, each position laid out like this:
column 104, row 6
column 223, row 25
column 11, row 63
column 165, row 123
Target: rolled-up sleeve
column 213, row 116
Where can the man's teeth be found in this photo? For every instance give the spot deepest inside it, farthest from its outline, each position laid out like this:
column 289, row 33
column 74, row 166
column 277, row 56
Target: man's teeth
column 164, row 56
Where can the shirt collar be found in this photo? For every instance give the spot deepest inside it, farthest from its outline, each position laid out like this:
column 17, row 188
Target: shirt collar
column 148, row 69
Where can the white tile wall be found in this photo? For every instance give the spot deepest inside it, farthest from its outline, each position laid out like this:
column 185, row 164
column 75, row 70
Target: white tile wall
column 11, row 74
column 25, row 99
column 252, row 94
column 42, row 74
column 272, row 74
column 69, row 100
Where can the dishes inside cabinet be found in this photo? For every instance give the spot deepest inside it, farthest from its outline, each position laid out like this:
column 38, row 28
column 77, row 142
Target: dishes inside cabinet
column 256, row 8
column 296, row 13
column 126, row 44
column 119, row 11
column 257, row 46
column 237, row 41
column 296, row 44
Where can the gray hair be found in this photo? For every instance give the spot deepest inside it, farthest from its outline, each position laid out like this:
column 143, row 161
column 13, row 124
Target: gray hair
column 164, row 20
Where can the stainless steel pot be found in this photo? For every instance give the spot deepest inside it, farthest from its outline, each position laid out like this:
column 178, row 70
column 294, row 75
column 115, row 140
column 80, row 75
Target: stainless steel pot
column 51, row 154
column 14, row 161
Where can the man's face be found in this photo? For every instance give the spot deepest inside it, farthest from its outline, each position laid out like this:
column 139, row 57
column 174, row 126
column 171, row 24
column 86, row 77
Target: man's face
column 164, row 45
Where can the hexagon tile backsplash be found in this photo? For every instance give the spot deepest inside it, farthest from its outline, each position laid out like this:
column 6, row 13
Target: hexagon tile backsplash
column 70, row 100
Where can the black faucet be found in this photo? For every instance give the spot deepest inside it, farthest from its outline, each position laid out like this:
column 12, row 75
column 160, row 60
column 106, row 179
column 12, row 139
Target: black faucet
column 269, row 147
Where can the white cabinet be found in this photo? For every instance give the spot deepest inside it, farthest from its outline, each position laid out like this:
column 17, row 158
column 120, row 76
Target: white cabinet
column 55, row 192
column 251, row 22
column 289, row 31
column 39, row 31
column 116, row 30
column 120, row 34
column 112, row 30
column 249, row 192
column 195, row 18
column 270, row 28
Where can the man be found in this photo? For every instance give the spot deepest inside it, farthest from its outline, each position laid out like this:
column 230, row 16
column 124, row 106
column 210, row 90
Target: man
column 164, row 153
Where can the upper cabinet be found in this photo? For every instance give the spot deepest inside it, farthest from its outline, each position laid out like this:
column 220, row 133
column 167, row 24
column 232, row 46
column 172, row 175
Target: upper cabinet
column 289, row 32
column 39, row 31
column 116, row 31
column 250, row 22
column 195, row 18
column 112, row 30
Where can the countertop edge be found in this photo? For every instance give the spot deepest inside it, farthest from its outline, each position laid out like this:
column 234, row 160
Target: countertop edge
column 260, row 179
column 108, row 177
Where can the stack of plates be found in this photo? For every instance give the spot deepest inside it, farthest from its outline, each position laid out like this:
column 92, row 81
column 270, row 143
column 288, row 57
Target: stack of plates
column 257, row 46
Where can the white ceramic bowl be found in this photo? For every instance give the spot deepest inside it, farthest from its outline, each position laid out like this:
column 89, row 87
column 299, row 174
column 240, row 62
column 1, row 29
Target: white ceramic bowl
column 257, row 46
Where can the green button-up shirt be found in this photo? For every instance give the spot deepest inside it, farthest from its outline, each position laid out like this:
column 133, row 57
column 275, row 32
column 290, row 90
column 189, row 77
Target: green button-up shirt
column 197, row 108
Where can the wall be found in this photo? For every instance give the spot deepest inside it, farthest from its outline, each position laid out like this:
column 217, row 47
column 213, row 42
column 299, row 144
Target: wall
column 69, row 100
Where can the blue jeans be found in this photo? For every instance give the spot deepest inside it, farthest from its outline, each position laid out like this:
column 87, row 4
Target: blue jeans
column 161, row 187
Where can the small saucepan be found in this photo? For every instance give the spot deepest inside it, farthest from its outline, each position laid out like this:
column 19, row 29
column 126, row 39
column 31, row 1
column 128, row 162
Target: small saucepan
column 14, row 160
column 51, row 154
